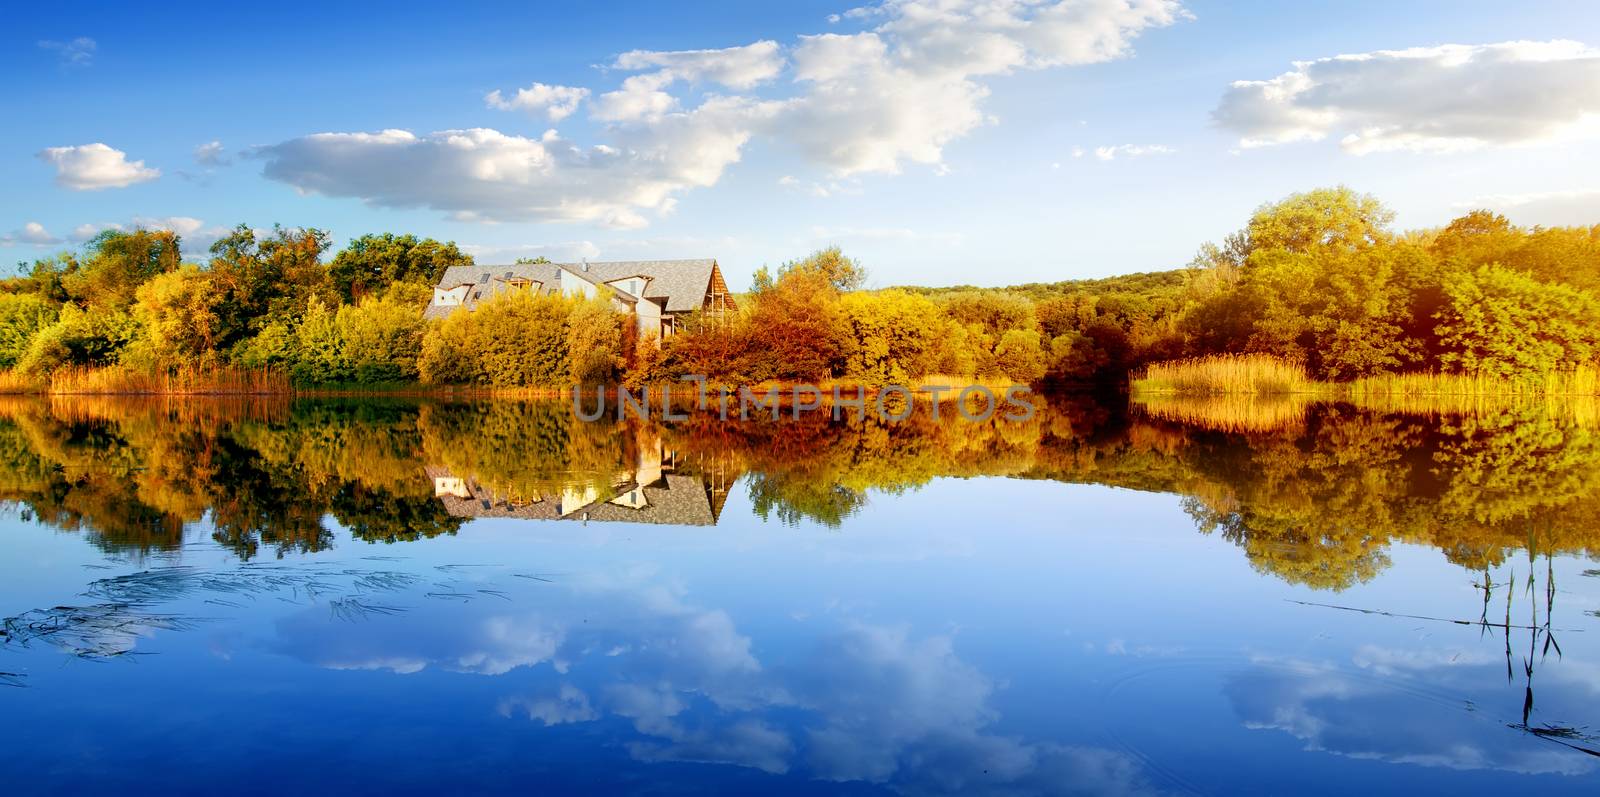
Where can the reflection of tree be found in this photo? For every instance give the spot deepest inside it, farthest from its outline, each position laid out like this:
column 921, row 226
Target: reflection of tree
column 1315, row 501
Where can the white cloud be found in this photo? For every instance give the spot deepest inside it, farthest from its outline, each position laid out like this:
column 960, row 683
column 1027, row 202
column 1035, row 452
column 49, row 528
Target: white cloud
column 866, row 102
column 486, row 175
column 562, row 252
column 838, row 234
column 1579, row 208
column 569, row 705
column 211, row 154
column 78, row 52
column 195, row 237
column 32, row 234
column 1433, row 99
column 735, row 67
column 640, row 99
column 1130, row 151
column 91, row 167
column 556, row 102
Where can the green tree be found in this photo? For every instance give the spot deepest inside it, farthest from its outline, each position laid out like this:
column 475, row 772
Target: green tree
column 1502, row 323
column 373, row 262
column 177, row 312
column 22, row 316
column 380, row 340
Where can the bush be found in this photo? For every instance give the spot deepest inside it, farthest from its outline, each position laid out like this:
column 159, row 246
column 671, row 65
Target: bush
column 1499, row 322
column 22, row 316
column 509, row 340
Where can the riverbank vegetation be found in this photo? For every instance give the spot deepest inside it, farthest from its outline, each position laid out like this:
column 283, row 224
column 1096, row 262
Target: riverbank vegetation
column 1315, row 290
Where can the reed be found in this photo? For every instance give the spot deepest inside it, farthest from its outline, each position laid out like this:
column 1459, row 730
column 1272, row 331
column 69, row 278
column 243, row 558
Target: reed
column 1259, row 374
column 189, row 381
column 13, row 383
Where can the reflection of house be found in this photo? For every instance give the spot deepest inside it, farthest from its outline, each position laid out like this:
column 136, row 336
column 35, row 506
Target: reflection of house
column 658, row 293
column 658, row 489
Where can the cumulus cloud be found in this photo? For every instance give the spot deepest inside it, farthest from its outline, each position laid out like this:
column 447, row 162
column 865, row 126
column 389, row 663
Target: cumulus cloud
column 734, row 67
column 555, row 102
column 1129, row 151
column 1576, row 208
column 77, row 52
column 486, row 175
column 872, row 101
column 92, row 167
column 31, row 234
column 1433, row 99
column 211, row 154
column 195, row 236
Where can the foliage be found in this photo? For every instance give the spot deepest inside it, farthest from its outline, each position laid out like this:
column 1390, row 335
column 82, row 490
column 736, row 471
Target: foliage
column 597, row 335
column 371, row 263
column 1499, row 322
column 178, row 313
column 22, row 316
column 892, row 337
column 513, row 339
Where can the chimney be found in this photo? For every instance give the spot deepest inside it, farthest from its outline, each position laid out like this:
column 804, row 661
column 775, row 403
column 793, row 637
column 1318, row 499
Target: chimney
column 586, row 264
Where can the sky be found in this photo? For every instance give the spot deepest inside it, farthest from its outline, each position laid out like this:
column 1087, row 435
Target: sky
column 940, row 142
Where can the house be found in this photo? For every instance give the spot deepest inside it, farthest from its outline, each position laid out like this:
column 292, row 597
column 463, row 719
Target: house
column 657, row 293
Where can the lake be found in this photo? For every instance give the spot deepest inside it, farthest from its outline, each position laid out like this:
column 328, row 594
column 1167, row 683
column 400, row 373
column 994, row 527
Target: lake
column 259, row 596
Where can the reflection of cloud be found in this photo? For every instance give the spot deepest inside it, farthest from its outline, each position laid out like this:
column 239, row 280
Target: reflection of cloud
column 569, row 704
column 1395, row 718
column 864, row 703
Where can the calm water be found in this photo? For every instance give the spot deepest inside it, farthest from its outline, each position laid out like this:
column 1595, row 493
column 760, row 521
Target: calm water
column 392, row 597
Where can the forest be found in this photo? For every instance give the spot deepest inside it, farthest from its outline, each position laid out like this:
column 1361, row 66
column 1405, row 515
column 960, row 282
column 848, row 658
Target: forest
column 1319, row 280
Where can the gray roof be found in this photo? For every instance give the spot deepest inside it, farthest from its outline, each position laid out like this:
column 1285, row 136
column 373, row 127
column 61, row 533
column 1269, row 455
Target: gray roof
column 676, row 499
column 678, row 284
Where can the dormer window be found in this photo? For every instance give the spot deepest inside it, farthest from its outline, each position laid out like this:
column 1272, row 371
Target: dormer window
column 633, row 286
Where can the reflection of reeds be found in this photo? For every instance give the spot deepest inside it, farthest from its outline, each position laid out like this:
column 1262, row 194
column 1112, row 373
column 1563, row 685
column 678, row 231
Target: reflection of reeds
column 1236, row 412
column 111, row 629
column 1257, row 413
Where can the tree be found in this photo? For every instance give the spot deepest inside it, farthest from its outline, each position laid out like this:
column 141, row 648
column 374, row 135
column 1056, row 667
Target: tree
column 266, row 277
column 1325, row 217
column 596, row 334
column 845, row 274
column 892, row 337
column 380, row 340
column 1500, row 323
column 116, row 263
column 373, row 262
column 513, row 339
column 178, row 314
column 794, row 328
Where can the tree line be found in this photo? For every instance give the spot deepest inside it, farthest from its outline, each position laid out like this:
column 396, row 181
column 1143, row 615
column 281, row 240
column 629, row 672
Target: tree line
column 1320, row 279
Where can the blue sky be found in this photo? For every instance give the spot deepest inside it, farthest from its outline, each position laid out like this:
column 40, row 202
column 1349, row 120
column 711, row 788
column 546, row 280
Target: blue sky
column 941, row 142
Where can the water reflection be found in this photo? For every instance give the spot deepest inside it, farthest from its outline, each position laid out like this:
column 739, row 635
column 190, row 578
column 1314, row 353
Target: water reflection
column 1313, row 496
column 822, row 681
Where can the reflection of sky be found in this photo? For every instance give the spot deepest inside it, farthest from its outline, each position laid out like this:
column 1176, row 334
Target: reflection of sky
column 976, row 636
